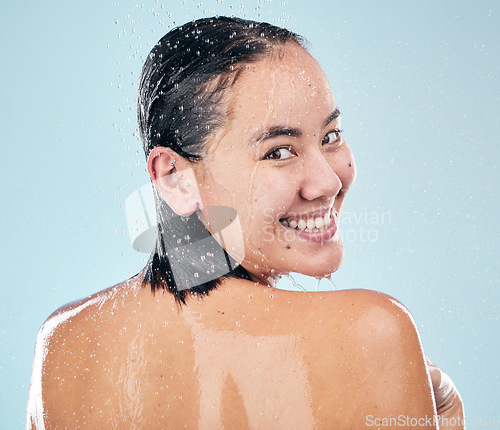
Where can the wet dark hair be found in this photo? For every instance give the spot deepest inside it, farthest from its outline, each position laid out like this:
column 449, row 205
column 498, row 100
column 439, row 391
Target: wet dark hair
column 181, row 88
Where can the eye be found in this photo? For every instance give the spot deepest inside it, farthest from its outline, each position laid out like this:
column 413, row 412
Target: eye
column 280, row 153
column 332, row 137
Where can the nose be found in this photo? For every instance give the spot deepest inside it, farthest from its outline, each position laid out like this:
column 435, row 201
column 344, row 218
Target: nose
column 319, row 178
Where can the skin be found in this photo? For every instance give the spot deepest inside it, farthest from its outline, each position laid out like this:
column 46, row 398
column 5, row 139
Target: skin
column 247, row 355
column 448, row 401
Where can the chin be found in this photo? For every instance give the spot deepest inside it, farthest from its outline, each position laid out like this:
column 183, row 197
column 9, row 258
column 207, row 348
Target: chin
column 315, row 263
column 322, row 271
column 321, row 265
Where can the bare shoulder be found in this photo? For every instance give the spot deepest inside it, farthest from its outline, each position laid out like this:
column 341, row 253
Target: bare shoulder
column 377, row 315
column 366, row 314
column 385, row 353
column 382, row 326
column 78, row 319
column 68, row 347
column 362, row 348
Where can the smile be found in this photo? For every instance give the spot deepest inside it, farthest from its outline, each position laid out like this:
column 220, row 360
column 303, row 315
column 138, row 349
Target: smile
column 316, row 228
column 309, row 225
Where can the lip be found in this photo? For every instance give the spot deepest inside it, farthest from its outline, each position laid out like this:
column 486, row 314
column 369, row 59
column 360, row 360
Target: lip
column 315, row 214
column 318, row 236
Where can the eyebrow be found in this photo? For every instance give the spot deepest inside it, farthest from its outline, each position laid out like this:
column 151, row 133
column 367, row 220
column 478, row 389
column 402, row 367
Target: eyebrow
column 333, row 116
column 279, row 130
column 276, row 131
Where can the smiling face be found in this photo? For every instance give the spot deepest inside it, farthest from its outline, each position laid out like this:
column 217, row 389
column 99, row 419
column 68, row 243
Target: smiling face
column 282, row 164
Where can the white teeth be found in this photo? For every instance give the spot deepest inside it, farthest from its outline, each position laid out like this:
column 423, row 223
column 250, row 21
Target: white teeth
column 319, row 222
column 301, row 225
column 310, row 225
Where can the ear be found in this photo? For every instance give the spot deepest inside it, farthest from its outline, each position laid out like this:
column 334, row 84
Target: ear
column 174, row 179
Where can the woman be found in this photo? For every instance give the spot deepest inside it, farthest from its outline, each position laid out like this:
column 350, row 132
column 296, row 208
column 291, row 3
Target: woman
column 244, row 148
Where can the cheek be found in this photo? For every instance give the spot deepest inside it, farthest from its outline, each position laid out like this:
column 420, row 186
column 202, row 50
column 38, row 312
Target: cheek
column 220, row 188
column 266, row 204
column 273, row 194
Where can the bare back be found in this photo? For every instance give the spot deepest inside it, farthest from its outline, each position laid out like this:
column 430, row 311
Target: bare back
column 246, row 356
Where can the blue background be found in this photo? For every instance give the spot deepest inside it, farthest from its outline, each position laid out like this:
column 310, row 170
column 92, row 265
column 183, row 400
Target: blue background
column 418, row 86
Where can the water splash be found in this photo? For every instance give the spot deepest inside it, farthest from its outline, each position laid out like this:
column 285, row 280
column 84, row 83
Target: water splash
column 334, row 287
column 294, row 283
column 330, row 281
column 317, row 285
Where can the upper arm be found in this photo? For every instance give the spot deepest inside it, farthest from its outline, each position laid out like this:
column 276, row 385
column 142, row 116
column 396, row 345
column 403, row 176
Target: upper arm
column 392, row 363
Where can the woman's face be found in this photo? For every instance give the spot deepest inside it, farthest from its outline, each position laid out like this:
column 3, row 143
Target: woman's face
column 282, row 164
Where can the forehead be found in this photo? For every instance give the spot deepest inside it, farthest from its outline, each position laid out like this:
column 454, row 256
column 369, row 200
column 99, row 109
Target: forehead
column 289, row 88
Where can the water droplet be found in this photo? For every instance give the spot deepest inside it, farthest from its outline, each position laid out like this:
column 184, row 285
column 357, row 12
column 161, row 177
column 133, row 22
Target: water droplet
column 295, row 283
column 334, row 287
